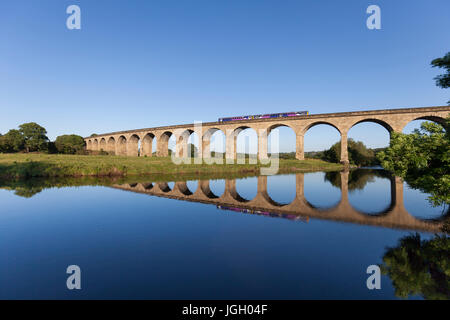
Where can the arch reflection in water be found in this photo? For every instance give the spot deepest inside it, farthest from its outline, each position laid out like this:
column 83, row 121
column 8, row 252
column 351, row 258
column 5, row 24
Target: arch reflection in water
column 281, row 188
column 246, row 188
column 393, row 216
column 322, row 191
column 216, row 187
column 367, row 189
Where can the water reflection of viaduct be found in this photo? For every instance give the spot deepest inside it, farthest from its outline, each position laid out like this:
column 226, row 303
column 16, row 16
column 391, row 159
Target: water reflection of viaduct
column 127, row 142
column 395, row 216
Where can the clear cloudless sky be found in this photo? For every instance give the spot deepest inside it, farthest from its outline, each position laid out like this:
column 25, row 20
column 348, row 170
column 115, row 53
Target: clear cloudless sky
column 138, row 64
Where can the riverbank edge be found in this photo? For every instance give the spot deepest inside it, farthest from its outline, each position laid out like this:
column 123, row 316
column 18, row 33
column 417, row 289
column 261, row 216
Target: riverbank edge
column 23, row 166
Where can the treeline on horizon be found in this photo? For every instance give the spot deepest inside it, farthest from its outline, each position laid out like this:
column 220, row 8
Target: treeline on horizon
column 31, row 137
column 358, row 154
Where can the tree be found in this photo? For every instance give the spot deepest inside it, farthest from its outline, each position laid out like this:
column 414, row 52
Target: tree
column 35, row 136
column 357, row 179
column 419, row 267
column 51, row 148
column 358, row 153
column 70, row 144
column 192, row 150
column 13, row 141
column 443, row 80
column 422, row 158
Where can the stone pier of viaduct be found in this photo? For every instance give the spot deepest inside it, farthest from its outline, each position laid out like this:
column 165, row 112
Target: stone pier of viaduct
column 127, row 142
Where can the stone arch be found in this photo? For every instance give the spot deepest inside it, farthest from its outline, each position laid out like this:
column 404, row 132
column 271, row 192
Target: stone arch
column 164, row 187
column 265, row 195
column 355, row 176
column 192, row 185
column 208, row 133
column 376, row 128
column 302, row 134
column 102, row 146
column 247, row 148
column 163, row 144
column 89, row 144
column 183, row 188
column 206, row 141
column 133, row 146
column 249, row 189
column 270, row 147
column 216, row 187
column 435, row 119
column 326, row 195
column 237, row 130
column 111, row 145
column 95, row 145
column 237, row 197
column 278, row 181
column 147, row 145
column 206, row 189
column 316, row 123
column 121, row 147
column 182, row 143
column 382, row 123
column 147, row 185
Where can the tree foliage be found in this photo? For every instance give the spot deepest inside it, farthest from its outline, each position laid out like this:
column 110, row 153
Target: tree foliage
column 358, row 153
column 192, row 150
column 443, row 80
column 32, row 137
column 69, row 144
column 422, row 158
column 35, row 137
column 357, row 179
column 13, row 141
column 419, row 267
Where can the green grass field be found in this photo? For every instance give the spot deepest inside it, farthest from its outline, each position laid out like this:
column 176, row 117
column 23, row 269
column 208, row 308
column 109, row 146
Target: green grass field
column 22, row 165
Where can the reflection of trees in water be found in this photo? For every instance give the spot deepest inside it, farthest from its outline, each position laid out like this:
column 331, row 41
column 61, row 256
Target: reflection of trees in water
column 357, row 179
column 422, row 159
column 27, row 192
column 419, row 267
column 30, row 187
column 446, row 225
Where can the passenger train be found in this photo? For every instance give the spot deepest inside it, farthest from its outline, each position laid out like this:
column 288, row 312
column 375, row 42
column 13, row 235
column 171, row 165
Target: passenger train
column 265, row 213
column 266, row 116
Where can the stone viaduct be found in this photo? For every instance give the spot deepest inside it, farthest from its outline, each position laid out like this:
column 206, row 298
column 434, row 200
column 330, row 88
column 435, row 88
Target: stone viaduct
column 395, row 216
column 127, row 142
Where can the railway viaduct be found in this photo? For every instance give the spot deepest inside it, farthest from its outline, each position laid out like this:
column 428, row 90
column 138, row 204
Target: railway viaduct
column 127, row 142
column 394, row 216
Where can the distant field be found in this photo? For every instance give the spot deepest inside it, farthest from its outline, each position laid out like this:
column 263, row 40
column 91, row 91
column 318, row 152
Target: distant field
column 57, row 165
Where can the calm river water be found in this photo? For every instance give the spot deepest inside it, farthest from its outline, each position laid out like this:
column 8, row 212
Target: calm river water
column 294, row 236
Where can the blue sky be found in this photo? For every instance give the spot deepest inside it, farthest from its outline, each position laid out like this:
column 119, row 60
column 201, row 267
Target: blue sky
column 137, row 64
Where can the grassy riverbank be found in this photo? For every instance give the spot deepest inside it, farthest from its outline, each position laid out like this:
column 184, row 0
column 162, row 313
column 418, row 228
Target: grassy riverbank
column 50, row 165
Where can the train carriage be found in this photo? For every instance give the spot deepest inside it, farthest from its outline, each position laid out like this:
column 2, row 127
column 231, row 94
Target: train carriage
column 266, row 116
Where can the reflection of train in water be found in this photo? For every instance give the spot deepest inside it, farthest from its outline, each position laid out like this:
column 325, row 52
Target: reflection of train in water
column 265, row 213
column 266, row 116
